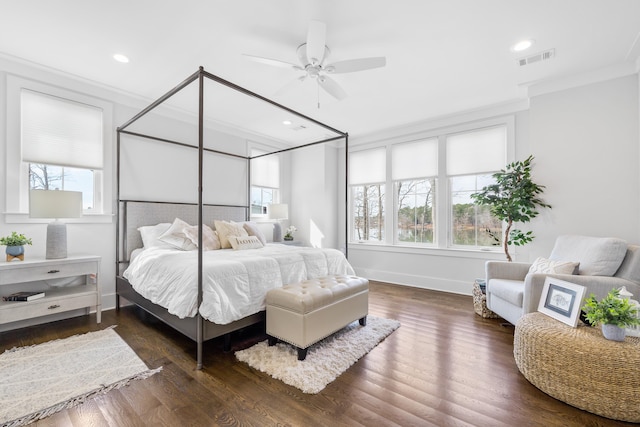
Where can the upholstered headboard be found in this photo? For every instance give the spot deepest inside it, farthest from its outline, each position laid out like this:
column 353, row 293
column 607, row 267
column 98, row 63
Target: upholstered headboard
column 134, row 214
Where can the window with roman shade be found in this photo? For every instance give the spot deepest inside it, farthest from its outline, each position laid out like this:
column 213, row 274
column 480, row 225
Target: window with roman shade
column 472, row 158
column 414, row 170
column 367, row 177
column 265, row 181
column 62, row 144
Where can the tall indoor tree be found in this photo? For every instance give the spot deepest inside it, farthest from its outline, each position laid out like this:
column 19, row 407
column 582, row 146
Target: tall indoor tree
column 514, row 198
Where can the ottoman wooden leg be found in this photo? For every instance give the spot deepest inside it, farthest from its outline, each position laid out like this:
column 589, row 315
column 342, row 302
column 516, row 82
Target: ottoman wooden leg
column 302, row 353
column 363, row 321
column 272, row 341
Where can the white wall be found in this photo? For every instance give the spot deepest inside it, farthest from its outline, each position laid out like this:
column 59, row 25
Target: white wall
column 314, row 207
column 586, row 147
column 585, row 140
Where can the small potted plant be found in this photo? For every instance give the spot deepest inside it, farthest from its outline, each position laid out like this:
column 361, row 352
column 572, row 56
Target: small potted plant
column 15, row 245
column 289, row 234
column 613, row 313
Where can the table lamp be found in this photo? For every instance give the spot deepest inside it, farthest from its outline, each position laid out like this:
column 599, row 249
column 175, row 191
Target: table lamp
column 278, row 212
column 55, row 204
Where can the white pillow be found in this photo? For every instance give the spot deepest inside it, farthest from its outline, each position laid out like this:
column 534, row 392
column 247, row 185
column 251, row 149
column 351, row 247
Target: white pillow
column 151, row 233
column 598, row 256
column 226, row 229
column 176, row 237
column 548, row 266
column 246, row 242
column 253, row 230
column 210, row 239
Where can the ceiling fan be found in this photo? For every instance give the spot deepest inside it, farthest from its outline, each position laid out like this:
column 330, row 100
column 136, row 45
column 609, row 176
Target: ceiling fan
column 313, row 57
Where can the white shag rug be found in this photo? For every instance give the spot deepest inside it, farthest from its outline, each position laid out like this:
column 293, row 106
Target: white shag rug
column 325, row 360
column 40, row 380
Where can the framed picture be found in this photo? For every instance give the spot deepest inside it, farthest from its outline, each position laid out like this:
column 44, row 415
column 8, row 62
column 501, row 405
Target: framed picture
column 561, row 300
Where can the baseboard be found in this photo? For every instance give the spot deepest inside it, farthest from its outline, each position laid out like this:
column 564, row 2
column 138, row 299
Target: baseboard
column 424, row 282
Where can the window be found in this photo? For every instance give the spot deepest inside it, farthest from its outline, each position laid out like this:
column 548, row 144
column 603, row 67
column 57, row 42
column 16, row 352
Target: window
column 414, row 169
column 62, row 144
column 50, row 177
column 472, row 225
column 265, row 181
column 431, row 180
column 471, row 159
column 367, row 184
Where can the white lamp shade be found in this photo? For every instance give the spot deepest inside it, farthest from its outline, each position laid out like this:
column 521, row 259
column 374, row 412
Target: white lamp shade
column 278, row 211
column 55, row 204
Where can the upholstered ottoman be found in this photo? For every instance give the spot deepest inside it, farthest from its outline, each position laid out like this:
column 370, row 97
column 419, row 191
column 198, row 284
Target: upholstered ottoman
column 303, row 313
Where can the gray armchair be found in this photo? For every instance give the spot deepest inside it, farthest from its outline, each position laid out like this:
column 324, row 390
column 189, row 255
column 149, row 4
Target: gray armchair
column 605, row 263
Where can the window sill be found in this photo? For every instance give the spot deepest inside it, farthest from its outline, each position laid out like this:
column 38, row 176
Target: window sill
column 433, row 251
column 23, row 218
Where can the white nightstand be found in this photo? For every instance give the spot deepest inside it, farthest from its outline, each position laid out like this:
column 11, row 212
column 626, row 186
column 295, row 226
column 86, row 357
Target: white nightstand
column 69, row 284
column 291, row 242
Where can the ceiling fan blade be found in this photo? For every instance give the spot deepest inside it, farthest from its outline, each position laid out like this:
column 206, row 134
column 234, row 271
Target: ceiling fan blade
column 332, row 88
column 316, row 38
column 274, row 62
column 290, row 86
column 352, row 65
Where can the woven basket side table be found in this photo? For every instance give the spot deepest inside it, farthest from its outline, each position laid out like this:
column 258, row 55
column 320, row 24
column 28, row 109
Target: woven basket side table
column 579, row 366
column 480, row 303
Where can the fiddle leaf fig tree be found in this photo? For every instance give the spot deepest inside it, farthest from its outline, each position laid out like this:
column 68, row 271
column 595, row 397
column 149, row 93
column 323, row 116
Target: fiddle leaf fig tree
column 514, row 198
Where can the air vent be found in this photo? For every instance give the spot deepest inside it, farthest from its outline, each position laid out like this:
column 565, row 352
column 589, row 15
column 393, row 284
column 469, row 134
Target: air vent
column 537, row 57
column 300, row 127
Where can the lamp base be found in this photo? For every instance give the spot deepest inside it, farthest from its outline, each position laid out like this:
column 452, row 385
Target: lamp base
column 277, row 232
column 56, row 240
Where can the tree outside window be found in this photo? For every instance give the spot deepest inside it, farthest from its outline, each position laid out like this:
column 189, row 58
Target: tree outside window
column 51, row 177
column 368, row 212
column 415, row 215
column 472, row 225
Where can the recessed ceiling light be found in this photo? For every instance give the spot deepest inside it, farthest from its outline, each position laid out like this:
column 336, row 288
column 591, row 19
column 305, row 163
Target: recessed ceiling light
column 121, row 58
column 522, row 45
column 286, row 122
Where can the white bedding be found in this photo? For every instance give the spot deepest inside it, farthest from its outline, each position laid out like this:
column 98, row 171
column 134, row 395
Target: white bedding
column 234, row 282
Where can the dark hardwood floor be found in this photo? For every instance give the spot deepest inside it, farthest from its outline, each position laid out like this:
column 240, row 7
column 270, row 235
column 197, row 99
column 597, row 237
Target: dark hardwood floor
column 445, row 366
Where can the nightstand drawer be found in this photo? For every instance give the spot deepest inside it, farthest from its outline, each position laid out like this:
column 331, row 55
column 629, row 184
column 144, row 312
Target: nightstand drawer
column 61, row 301
column 32, row 273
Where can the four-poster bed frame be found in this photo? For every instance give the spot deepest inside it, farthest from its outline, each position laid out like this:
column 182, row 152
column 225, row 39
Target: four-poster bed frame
column 132, row 214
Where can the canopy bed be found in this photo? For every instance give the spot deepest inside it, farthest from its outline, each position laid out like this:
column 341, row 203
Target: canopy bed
column 220, row 290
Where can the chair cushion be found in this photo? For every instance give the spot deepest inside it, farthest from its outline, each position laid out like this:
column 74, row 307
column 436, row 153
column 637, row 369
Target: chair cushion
column 511, row 291
column 598, row 256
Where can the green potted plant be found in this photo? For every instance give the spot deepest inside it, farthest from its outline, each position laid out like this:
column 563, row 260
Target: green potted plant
column 613, row 313
column 513, row 198
column 15, row 245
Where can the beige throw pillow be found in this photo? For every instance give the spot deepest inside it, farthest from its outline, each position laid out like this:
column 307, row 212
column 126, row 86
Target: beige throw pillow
column 247, row 242
column 226, row 229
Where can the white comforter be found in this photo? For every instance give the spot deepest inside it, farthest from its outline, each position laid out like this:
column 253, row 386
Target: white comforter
column 234, row 282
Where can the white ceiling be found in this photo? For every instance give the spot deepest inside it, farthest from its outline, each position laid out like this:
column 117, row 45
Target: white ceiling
column 443, row 57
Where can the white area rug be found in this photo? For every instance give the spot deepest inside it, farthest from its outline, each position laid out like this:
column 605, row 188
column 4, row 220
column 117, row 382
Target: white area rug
column 40, row 380
column 325, row 361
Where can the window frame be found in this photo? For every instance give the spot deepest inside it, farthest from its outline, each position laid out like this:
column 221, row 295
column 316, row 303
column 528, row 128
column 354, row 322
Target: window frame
column 17, row 171
column 255, row 149
column 443, row 202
